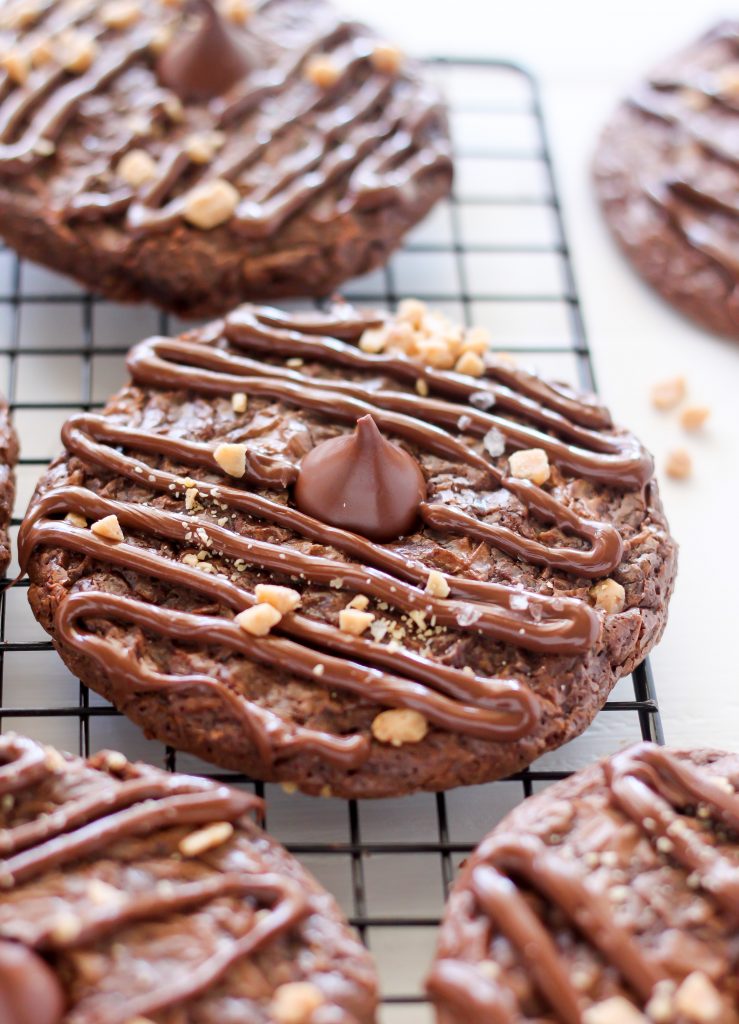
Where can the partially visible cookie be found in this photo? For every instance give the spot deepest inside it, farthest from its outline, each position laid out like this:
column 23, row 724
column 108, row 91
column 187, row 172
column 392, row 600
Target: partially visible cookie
column 132, row 895
column 352, row 551
column 8, row 459
column 667, row 175
column 610, row 898
column 200, row 153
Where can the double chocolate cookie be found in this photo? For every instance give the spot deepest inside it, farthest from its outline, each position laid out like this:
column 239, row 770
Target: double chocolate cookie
column 667, row 175
column 349, row 550
column 197, row 154
column 611, row 898
column 8, row 459
column 132, row 895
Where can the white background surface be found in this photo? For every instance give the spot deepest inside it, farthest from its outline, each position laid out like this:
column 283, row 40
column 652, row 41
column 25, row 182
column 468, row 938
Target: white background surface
column 585, row 54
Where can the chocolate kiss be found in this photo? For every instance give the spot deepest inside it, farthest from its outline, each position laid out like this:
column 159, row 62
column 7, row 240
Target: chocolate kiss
column 29, row 990
column 205, row 62
column 363, row 483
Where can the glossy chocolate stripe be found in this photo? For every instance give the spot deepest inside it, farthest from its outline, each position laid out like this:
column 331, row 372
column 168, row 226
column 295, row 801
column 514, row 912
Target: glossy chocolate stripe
column 271, row 735
column 647, row 783
column 51, row 119
column 146, row 802
column 259, row 329
column 290, row 907
column 171, row 363
column 512, row 718
column 696, row 230
column 108, row 920
column 154, row 371
column 476, row 997
column 602, row 557
column 563, row 885
column 79, row 433
column 191, row 808
column 565, row 632
column 81, row 812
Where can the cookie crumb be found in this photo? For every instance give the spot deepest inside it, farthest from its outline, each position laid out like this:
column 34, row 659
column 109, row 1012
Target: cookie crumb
column 231, row 458
column 609, row 595
column 75, row 519
column 322, row 70
column 694, row 416
column 354, row 621
column 120, row 14
column 386, row 58
column 16, row 66
column 210, row 204
column 615, row 1010
column 398, row 726
column 65, row 927
column 239, row 401
column 76, row 51
column 436, row 584
column 678, row 464
column 284, row 599
column 259, row 619
column 699, row 1000
column 108, row 527
column 237, row 11
column 295, row 1002
column 136, row 167
column 668, row 393
column 205, row 839
column 114, row 760
column 530, row 464
column 201, row 147
column 471, row 364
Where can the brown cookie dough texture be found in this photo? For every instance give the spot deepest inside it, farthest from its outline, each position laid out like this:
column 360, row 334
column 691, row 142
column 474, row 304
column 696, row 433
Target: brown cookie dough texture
column 133, row 895
column 666, row 174
column 358, row 645
column 8, row 459
column 610, row 898
column 200, row 154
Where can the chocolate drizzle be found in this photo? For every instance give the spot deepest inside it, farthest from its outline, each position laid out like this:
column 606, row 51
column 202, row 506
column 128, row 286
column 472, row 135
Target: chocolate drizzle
column 371, row 137
column 218, row 365
column 110, row 806
column 654, row 791
column 698, row 195
column 205, row 62
column 362, row 483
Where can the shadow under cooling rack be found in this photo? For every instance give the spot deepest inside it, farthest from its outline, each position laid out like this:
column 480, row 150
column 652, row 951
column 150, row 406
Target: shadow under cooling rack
column 494, row 254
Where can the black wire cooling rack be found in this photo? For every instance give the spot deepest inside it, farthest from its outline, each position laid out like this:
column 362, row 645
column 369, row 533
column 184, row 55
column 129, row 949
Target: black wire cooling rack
column 494, row 254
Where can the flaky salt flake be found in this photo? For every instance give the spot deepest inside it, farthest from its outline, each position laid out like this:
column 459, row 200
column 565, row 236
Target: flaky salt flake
column 468, row 615
column 518, row 602
column 494, row 443
column 482, row 400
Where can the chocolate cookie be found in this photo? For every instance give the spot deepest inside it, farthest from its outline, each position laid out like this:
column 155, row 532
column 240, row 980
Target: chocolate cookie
column 667, row 175
column 8, row 459
column 197, row 155
column 132, row 895
column 611, row 898
column 349, row 550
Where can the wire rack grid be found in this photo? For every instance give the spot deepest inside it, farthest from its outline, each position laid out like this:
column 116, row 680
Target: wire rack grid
column 495, row 254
